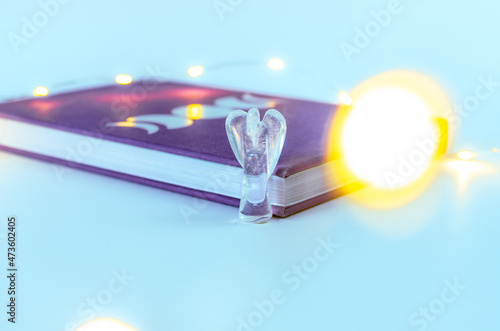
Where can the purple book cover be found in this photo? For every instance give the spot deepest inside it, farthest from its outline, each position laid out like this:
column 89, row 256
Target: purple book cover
column 180, row 119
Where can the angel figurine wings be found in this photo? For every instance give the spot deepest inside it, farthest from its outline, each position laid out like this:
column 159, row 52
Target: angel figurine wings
column 257, row 146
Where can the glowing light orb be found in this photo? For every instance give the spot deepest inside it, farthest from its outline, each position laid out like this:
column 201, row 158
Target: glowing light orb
column 40, row 91
column 345, row 98
column 276, row 64
column 385, row 127
column 195, row 71
column 123, row 79
column 105, row 324
column 389, row 135
column 465, row 155
column 494, row 150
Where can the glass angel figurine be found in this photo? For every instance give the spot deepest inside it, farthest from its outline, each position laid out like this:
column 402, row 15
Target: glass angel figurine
column 257, row 146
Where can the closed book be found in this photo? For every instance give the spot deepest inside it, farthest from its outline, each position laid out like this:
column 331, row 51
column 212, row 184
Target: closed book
column 172, row 136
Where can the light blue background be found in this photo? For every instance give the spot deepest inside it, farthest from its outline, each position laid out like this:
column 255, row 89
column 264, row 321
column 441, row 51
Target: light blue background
column 204, row 274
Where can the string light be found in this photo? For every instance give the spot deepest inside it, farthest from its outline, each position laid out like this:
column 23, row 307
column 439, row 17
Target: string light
column 40, row 91
column 276, row 64
column 465, row 155
column 196, row 111
column 195, row 71
column 123, row 79
column 345, row 98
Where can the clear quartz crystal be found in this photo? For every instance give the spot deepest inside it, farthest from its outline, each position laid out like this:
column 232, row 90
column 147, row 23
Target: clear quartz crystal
column 257, row 146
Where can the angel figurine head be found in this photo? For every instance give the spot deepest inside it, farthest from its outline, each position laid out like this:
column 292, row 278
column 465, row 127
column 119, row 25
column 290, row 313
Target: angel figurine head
column 257, row 146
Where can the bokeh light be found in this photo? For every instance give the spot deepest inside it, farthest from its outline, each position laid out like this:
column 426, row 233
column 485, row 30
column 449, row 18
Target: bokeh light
column 123, row 79
column 388, row 138
column 345, row 98
column 195, row 71
column 276, row 64
column 194, row 111
column 105, row 324
column 465, row 171
column 465, row 155
column 40, row 91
